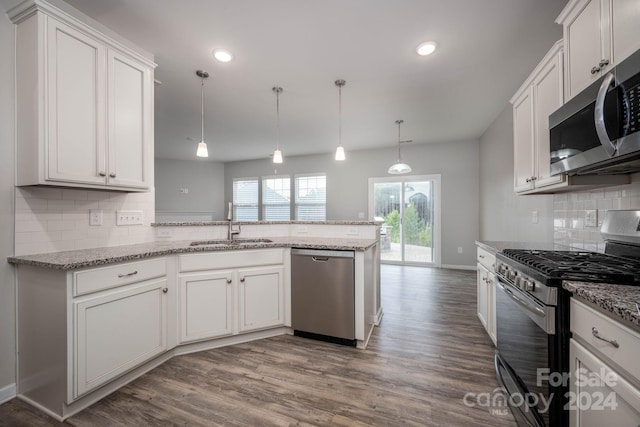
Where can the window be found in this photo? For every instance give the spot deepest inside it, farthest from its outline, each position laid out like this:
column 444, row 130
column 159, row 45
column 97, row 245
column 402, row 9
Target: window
column 276, row 198
column 311, row 197
column 245, row 199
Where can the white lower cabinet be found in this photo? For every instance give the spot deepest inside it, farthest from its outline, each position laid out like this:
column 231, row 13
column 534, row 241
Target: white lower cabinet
column 486, row 292
column 605, row 375
column 118, row 330
column 246, row 297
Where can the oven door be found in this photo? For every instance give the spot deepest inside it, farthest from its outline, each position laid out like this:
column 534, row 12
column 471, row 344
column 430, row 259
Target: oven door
column 523, row 330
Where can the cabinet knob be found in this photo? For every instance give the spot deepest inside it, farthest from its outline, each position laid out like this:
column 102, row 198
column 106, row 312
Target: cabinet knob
column 242, row 279
column 603, row 63
column 112, row 175
column 102, row 173
column 595, row 70
column 228, row 281
column 533, row 178
column 165, row 290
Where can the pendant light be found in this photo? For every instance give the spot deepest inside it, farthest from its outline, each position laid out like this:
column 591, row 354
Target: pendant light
column 399, row 167
column 340, row 156
column 277, row 154
column 202, row 146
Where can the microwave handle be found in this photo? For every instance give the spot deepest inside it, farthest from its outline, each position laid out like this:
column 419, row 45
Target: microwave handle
column 601, row 130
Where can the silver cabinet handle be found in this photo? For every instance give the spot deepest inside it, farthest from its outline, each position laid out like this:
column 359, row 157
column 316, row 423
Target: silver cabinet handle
column 133, row 273
column 595, row 333
column 228, row 281
column 598, row 116
column 165, row 290
column 102, row 173
column 595, row 70
column 481, row 256
column 112, row 175
column 534, row 178
column 242, row 279
column 528, row 180
column 603, row 63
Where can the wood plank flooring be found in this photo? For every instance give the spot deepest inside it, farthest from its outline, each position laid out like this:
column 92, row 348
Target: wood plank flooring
column 429, row 351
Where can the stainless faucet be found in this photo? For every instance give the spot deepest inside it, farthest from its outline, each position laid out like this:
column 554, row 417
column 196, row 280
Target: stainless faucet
column 232, row 231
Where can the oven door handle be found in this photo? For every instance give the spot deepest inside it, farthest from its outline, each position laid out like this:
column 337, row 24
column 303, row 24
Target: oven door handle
column 524, row 304
column 531, row 415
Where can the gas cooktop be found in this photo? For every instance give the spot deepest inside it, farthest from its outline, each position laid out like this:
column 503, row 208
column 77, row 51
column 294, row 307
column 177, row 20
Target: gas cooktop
column 579, row 266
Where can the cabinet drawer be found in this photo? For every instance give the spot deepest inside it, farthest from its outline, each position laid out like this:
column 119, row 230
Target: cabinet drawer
column 584, row 318
column 230, row 259
column 486, row 258
column 98, row 279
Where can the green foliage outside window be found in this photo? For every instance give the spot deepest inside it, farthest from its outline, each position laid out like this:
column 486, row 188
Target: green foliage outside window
column 416, row 233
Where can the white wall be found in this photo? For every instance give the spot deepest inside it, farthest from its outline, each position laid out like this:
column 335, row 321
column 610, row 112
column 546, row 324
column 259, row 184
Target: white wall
column 347, row 185
column 505, row 216
column 7, row 276
column 205, row 182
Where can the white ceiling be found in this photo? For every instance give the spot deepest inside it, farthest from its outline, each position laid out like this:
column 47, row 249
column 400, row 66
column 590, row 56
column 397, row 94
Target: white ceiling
column 486, row 49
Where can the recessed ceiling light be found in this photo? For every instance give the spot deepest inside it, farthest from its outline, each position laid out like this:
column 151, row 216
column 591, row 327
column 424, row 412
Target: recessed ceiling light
column 426, row 48
column 222, row 55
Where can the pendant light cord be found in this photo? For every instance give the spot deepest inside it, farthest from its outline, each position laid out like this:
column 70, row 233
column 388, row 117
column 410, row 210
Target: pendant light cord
column 399, row 122
column 202, row 109
column 340, row 115
column 277, row 118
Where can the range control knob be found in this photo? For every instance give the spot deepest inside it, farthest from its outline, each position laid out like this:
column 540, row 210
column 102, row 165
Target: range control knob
column 511, row 275
column 529, row 286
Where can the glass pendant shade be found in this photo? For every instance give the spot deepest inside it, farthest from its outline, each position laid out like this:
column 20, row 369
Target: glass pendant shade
column 277, row 156
column 202, row 150
column 399, row 168
column 340, row 153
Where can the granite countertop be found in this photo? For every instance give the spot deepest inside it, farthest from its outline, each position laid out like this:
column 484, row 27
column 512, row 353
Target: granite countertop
column 617, row 300
column 499, row 246
column 71, row 260
column 206, row 223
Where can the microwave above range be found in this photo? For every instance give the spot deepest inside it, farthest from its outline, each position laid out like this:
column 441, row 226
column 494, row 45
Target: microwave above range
column 598, row 131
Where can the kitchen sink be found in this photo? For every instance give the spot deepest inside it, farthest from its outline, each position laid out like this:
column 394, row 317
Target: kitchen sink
column 234, row 242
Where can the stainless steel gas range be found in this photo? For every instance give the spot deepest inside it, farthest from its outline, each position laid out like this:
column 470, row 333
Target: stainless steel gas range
column 532, row 314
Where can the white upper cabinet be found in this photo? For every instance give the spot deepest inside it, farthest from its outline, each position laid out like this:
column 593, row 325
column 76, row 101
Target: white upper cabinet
column 84, row 104
column 538, row 97
column 598, row 34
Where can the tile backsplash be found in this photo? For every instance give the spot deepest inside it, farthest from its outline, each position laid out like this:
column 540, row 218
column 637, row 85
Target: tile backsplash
column 569, row 212
column 57, row 219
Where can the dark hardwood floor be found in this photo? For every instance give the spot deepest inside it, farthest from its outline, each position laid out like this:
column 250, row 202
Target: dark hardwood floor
column 428, row 353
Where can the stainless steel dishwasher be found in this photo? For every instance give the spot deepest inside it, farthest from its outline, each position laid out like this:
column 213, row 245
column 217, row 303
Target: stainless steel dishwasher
column 323, row 295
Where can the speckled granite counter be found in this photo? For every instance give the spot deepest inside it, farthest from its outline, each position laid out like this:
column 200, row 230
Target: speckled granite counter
column 71, row 260
column 498, row 246
column 617, row 300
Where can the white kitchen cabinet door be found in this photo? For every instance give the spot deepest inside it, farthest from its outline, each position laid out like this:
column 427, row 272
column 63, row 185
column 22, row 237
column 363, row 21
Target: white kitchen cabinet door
column 130, row 118
column 117, row 331
column 491, row 307
column 587, row 43
column 523, row 139
column 625, row 16
column 261, row 298
column 76, row 100
column 598, row 395
column 483, row 296
column 206, row 305
column 547, row 96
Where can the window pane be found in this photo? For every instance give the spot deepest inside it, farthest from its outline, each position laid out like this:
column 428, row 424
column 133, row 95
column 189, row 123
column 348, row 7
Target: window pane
column 311, row 196
column 276, row 198
column 245, row 199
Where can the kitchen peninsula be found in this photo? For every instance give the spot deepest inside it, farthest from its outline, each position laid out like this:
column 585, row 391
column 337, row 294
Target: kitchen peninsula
column 93, row 320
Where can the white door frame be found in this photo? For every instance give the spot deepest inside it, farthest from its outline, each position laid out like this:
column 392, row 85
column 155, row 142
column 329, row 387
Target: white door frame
column 437, row 227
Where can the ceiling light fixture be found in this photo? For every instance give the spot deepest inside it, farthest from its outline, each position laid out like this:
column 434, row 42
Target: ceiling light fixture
column 399, row 167
column 340, row 156
column 222, row 55
column 426, row 48
column 277, row 154
column 202, row 146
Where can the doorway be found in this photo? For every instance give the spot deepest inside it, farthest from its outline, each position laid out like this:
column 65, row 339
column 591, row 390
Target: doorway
column 410, row 209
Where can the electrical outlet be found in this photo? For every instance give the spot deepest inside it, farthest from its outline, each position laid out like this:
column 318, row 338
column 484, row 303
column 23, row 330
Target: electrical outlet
column 129, row 218
column 184, row 191
column 361, row 215
column 302, row 229
column 352, row 231
column 459, row 249
column 591, row 218
column 95, row 217
column 534, row 217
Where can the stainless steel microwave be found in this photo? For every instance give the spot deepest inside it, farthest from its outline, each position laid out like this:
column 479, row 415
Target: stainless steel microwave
column 597, row 131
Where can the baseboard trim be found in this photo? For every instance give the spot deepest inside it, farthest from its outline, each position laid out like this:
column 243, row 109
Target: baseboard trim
column 7, row 393
column 458, row 267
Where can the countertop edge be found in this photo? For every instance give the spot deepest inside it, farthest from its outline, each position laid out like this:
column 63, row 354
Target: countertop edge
column 210, row 223
column 615, row 300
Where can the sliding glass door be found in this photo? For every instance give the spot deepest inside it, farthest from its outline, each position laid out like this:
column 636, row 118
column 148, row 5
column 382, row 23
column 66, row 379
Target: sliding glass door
column 409, row 207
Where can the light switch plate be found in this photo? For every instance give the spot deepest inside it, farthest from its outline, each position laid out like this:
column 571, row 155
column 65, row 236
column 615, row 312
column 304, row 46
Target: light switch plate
column 591, row 218
column 534, row 217
column 129, row 218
